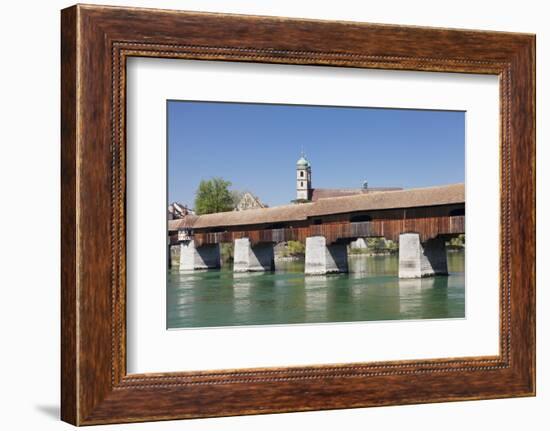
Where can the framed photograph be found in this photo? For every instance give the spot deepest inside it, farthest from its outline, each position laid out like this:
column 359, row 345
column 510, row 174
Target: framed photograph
column 264, row 214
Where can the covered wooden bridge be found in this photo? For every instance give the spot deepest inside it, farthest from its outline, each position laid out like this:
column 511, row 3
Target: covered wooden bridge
column 420, row 219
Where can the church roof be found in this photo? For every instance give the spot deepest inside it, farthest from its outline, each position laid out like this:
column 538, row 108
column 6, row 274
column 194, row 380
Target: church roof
column 302, row 162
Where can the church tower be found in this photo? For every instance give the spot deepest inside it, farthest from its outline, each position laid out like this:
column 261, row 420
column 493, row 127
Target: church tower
column 303, row 179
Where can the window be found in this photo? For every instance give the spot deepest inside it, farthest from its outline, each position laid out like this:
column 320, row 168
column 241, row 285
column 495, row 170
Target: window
column 457, row 212
column 301, row 173
column 301, row 184
column 216, row 230
column 360, row 218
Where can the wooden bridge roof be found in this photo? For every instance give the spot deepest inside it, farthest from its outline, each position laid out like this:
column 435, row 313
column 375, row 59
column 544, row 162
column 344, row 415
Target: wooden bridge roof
column 428, row 196
column 410, row 198
column 317, row 193
column 185, row 222
column 277, row 214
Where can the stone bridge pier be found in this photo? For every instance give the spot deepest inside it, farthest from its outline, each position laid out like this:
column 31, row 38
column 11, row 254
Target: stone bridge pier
column 248, row 257
column 417, row 259
column 204, row 257
column 323, row 258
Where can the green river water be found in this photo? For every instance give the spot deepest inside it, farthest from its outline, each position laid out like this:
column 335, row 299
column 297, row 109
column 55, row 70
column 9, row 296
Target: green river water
column 370, row 291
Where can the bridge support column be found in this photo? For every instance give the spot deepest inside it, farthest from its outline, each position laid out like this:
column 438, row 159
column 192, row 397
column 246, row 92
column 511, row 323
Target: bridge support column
column 359, row 243
column 324, row 259
column 205, row 257
column 174, row 255
column 421, row 260
column 248, row 257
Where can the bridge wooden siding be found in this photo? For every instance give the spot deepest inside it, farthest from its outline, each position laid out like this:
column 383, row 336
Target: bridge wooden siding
column 430, row 212
column 428, row 222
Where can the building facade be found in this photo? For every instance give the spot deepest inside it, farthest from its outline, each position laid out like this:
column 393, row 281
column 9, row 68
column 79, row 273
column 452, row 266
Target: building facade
column 303, row 179
column 249, row 202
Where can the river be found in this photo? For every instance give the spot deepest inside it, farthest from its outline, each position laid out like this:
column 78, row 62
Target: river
column 370, row 291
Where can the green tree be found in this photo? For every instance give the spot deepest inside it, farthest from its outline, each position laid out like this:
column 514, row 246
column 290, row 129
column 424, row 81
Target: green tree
column 295, row 248
column 457, row 242
column 213, row 196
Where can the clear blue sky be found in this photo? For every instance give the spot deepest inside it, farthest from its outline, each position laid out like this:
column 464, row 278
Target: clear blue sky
column 255, row 146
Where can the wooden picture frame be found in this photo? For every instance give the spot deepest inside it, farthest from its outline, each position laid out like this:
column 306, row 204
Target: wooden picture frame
column 95, row 43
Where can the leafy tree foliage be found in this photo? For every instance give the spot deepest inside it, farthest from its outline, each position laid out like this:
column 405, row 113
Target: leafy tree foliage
column 293, row 249
column 457, row 242
column 213, row 196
